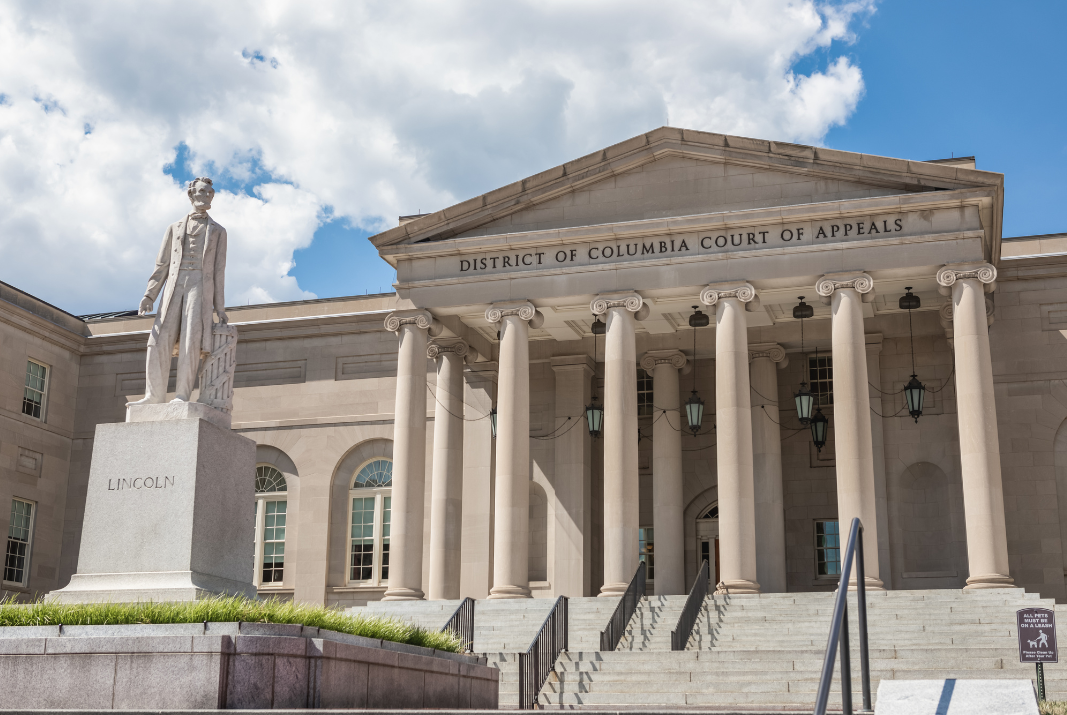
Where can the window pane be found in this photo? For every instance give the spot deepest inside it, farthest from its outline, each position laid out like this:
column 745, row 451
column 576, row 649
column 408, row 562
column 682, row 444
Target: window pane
column 645, row 541
column 374, row 474
column 269, row 479
column 18, row 542
column 821, row 377
column 386, row 509
column 827, row 549
column 273, row 541
column 644, row 393
column 361, row 566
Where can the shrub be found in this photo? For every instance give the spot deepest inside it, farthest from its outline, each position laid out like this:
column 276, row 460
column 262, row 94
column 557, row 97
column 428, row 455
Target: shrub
column 223, row 609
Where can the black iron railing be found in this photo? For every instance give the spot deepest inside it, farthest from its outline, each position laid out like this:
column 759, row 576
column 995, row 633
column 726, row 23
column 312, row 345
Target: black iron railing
column 610, row 636
column 462, row 623
column 540, row 660
column 839, row 631
column 693, row 604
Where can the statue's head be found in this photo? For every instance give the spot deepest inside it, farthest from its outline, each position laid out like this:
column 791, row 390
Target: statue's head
column 200, row 193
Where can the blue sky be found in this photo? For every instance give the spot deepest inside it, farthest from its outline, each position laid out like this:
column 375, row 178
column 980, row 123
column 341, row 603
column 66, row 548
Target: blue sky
column 322, row 124
column 942, row 79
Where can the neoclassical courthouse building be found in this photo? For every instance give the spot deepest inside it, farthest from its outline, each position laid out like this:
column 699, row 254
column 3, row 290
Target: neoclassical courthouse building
column 435, row 442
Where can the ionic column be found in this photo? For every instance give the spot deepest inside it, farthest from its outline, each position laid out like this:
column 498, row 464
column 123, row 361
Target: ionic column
column 667, row 498
column 446, row 482
column 570, row 533
column 621, row 515
column 874, row 373
column 983, row 493
column 766, row 360
column 511, row 533
column 409, row 455
column 733, row 420
column 856, row 490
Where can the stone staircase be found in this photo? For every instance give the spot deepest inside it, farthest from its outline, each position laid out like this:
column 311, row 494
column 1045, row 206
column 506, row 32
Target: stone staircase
column 767, row 650
column 652, row 623
column 505, row 628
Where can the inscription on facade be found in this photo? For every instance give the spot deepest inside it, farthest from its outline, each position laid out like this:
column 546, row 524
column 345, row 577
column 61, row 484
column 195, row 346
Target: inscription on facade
column 118, row 485
column 783, row 236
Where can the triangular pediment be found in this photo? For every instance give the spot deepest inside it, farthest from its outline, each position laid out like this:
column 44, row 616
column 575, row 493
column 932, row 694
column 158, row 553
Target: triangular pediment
column 673, row 172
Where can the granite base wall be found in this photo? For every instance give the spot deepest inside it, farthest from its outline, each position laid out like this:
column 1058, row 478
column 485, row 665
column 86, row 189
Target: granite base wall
column 231, row 666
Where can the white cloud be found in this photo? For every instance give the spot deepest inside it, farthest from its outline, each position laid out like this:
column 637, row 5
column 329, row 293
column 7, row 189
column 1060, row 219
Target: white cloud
column 374, row 109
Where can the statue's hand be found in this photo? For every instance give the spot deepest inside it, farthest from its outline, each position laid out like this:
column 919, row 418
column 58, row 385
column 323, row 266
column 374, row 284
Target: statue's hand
column 223, row 319
column 146, row 306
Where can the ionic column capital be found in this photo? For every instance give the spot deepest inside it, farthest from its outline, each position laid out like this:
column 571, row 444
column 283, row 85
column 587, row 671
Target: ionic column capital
column 421, row 319
column 984, row 273
column 674, row 358
column 859, row 282
column 630, row 300
column 522, row 309
column 772, row 351
column 715, row 292
column 450, row 345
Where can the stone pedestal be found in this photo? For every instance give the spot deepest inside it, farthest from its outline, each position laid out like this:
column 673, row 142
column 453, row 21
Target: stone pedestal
column 168, row 514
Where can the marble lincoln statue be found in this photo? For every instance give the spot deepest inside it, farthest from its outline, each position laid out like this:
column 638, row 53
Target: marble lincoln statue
column 191, row 270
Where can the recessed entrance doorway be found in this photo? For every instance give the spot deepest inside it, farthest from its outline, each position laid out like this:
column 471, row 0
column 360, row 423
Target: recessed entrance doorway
column 707, row 532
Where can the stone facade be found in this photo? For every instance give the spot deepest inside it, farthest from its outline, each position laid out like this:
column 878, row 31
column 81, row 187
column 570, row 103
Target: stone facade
column 316, row 385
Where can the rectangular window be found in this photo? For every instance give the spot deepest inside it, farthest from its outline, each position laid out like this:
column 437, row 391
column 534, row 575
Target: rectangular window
column 644, row 393
column 19, row 536
column 36, row 386
column 827, row 548
column 274, row 542
column 362, row 561
column 645, row 541
column 821, row 377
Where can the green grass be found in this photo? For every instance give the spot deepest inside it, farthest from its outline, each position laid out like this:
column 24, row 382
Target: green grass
column 1052, row 707
column 222, row 609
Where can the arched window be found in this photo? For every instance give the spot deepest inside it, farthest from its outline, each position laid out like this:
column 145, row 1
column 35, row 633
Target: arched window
column 369, row 516
column 270, row 525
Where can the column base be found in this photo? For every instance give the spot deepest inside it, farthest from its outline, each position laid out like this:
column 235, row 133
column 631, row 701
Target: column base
column 500, row 592
column 992, row 580
column 612, row 590
column 736, row 587
column 870, row 583
column 404, row 594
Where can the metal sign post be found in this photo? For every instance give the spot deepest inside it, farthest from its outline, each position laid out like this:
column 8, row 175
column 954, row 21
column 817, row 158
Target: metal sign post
column 1037, row 641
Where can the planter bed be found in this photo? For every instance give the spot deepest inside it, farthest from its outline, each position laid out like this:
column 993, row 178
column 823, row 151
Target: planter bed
column 230, row 666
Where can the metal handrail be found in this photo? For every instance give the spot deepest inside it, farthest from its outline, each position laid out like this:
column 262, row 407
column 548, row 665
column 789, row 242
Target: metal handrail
column 610, row 636
column 839, row 631
column 540, row 660
column 693, row 604
column 462, row 623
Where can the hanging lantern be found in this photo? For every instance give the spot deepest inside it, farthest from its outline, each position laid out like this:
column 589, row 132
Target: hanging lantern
column 914, row 391
column 909, row 301
column 492, row 420
column 819, row 426
column 599, row 327
column 594, row 416
column 802, row 310
column 699, row 319
column 694, row 412
column 694, row 406
column 805, row 401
